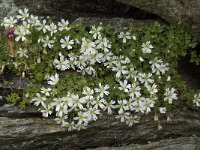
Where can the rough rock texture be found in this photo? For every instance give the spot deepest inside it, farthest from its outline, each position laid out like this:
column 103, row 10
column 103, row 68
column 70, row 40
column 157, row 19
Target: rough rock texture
column 28, row 130
column 182, row 12
column 72, row 9
column 183, row 143
column 7, row 8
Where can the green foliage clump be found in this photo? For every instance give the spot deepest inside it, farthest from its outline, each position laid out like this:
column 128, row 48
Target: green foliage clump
column 124, row 71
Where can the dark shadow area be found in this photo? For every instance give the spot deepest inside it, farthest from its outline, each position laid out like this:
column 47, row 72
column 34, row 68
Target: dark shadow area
column 73, row 9
column 190, row 72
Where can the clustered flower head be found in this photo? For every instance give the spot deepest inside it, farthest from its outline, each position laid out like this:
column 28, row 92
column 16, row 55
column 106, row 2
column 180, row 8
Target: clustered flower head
column 139, row 89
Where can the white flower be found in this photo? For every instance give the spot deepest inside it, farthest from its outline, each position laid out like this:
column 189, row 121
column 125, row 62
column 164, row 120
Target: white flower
column 62, row 64
column 88, row 92
column 20, row 33
column 66, row 42
column 124, row 86
column 102, row 90
column 120, row 70
column 33, row 20
column 145, row 78
column 53, row 80
column 123, row 116
column 158, row 66
column 130, row 120
column 95, row 31
column 103, row 43
column 46, row 91
column 196, row 100
column 52, row 28
column 78, row 102
column 47, row 42
column 162, row 110
column 23, row 14
column 9, row 23
column 109, row 106
column 141, row 59
column 22, row 52
column 155, row 63
column 134, row 90
column 152, row 89
column 87, row 47
column 42, row 26
column 148, row 104
column 82, row 118
column 47, row 111
column 92, row 113
column 169, row 78
column 71, row 126
column 170, row 95
column 39, row 100
column 124, row 36
column 81, row 61
column 98, row 102
column 132, row 73
column 63, row 25
column 57, row 102
column 134, row 37
column 147, row 47
column 122, row 106
column 26, row 27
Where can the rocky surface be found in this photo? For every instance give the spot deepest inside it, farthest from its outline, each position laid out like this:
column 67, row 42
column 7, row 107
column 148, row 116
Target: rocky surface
column 182, row 12
column 73, row 9
column 28, row 130
column 183, row 143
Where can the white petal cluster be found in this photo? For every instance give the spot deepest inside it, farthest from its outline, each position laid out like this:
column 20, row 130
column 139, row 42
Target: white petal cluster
column 196, row 100
column 147, row 47
column 170, row 95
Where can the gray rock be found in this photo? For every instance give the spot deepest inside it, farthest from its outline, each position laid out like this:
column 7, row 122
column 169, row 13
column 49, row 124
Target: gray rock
column 181, row 12
column 7, row 8
column 28, row 130
column 183, row 143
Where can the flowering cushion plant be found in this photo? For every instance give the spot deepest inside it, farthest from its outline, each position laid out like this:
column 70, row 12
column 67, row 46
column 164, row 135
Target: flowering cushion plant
column 77, row 73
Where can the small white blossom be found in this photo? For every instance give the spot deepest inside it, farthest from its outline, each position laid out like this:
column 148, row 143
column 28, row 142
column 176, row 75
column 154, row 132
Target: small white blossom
column 134, row 90
column 22, row 52
column 162, row 110
column 9, row 22
column 66, row 42
column 109, row 106
column 124, row 36
column 52, row 28
column 123, row 116
column 63, row 25
column 42, row 26
column 102, row 90
column 62, row 64
column 46, row 91
column 53, row 80
column 147, row 47
column 39, row 100
column 170, row 95
column 95, row 31
column 47, row 111
column 33, row 20
column 20, row 34
column 196, row 100
column 152, row 89
column 124, row 86
column 47, row 42
column 23, row 14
